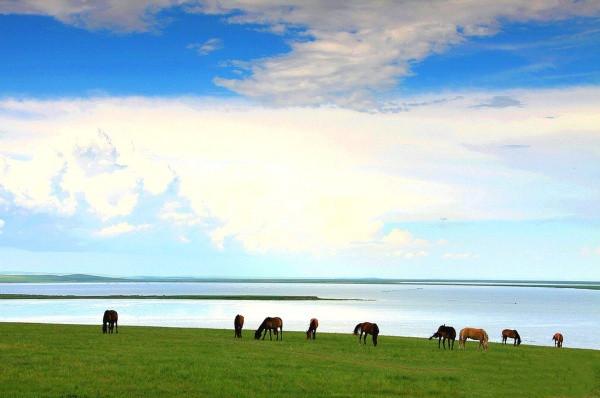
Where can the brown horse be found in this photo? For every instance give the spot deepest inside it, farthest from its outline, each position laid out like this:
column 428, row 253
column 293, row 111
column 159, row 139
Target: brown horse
column 312, row 329
column 110, row 321
column 512, row 334
column 367, row 328
column 445, row 332
column 274, row 324
column 238, row 324
column 473, row 334
column 558, row 340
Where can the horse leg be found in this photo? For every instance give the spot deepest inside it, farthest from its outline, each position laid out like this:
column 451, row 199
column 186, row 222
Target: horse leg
column 314, row 334
column 117, row 326
column 439, row 339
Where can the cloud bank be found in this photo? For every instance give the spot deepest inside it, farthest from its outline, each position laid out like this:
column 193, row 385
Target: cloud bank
column 298, row 179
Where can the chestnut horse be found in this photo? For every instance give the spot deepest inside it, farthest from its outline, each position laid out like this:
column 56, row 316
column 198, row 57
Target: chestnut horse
column 512, row 334
column 312, row 329
column 110, row 321
column 473, row 334
column 445, row 332
column 274, row 324
column 367, row 328
column 558, row 340
column 238, row 324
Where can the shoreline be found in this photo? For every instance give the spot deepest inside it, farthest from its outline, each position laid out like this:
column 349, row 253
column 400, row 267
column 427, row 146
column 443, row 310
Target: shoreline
column 470, row 343
column 169, row 297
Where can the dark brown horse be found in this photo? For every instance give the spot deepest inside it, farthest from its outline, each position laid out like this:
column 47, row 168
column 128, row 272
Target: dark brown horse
column 110, row 321
column 367, row 328
column 511, row 334
column 274, row 324
column 473, row 334
column 238, row 324
column 558, row 340
column 445, row 332
column 311, row 333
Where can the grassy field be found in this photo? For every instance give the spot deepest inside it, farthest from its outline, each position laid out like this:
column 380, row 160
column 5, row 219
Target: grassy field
column 78, row 361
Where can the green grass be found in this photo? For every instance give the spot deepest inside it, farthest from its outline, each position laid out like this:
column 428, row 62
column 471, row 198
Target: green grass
column 78, row 361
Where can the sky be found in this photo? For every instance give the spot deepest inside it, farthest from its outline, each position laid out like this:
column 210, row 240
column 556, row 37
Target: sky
column 237, row 138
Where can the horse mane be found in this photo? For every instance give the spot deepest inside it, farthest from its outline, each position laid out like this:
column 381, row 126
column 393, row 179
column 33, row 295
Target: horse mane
column 357, row 327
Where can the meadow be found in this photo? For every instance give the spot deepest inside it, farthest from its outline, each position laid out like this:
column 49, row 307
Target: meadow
column 43, row 360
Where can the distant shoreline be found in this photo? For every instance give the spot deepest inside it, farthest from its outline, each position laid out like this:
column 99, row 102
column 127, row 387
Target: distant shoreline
column 166, row 297
column 83, row 278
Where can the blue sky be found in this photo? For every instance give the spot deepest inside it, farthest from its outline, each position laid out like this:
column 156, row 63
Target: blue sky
column 340, row 140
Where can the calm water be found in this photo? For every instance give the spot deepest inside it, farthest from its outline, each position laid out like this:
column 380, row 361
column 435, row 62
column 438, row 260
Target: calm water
column 399, row 310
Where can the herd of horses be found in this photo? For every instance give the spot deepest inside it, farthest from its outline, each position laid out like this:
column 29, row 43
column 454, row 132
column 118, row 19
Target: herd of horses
column 274, row 325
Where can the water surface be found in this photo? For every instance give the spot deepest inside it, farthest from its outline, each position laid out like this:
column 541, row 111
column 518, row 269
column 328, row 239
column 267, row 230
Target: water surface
column 406, row 310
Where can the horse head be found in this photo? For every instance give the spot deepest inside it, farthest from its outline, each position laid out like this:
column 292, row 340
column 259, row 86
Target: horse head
column 435, row 336
column 104, row 327
column 257, row 334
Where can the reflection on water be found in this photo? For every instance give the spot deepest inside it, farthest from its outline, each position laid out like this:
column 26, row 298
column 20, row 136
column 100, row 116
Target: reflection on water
column 399, row 310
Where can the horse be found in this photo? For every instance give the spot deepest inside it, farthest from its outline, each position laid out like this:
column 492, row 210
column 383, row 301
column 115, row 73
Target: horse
column 367, row 328
column 274, row 324
column 312, row 329
column 110, row 321
column 445, row 332
column 558, row 340
column 238, row 323
column 513, row 334
column 473, row 334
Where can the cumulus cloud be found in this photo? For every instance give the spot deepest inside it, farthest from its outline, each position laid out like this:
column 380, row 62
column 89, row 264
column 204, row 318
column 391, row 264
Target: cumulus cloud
column 120, row 229
column 299, row 179
column 342, row 52
column 207, row 47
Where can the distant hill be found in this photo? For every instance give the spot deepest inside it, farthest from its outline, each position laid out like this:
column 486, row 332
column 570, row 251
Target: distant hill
column 82, row 278
column 37, row 278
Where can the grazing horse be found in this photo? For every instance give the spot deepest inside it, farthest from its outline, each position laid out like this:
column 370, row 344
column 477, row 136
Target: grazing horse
column 367, row 328
column 110, row 321
column 312, row 329
column 445, row 332
column 473, row 334
column 558, row 340
column 238, row 324
column 274, row 324
column 513, row 334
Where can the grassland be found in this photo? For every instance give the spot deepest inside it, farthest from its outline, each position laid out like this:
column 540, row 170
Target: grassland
column 78, row 361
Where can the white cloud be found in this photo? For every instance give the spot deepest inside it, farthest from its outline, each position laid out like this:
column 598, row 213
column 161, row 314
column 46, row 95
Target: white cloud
column 174, row 213
column 342, row 51
column 120, row 229
column 305, row 179
column 590, row 251
column 207, row 47
column 459, row 256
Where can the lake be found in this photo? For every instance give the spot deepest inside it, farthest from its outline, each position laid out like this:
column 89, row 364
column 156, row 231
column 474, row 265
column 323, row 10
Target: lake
column 404, row 310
